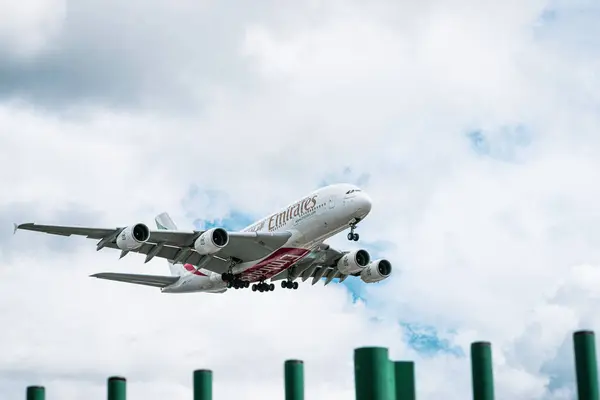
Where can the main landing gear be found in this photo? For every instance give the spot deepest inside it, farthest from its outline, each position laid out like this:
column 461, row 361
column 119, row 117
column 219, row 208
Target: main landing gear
column 238, row 284
column 263, row 287
column 289, row 285
column 353, row 236
column 234, row 282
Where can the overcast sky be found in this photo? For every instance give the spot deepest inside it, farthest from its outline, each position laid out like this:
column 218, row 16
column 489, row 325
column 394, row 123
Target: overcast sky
column 474, row 126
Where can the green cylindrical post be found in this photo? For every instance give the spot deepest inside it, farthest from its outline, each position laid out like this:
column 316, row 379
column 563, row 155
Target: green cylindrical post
column 481, row 371
column 36, row 393
column 404, row 374
column 117, row 388
column 586, row 368
column 294, row 380
column 373, row 374
column 203, row 384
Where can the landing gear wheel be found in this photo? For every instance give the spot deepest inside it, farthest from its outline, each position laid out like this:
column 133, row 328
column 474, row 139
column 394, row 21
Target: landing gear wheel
column 239, row 284
column 263, row 287
column 289, row 285
column 353, row 236
column 254, row 288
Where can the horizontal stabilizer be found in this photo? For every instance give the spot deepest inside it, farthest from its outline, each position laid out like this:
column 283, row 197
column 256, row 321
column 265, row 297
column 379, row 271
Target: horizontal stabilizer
column 148, row 280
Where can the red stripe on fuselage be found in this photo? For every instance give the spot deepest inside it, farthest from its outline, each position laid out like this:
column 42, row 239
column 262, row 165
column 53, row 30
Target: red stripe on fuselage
column 192, row 269
column 280, row 260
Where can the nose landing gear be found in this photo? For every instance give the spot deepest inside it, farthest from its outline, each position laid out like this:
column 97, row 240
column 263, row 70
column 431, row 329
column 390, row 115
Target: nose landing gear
column 353, row 236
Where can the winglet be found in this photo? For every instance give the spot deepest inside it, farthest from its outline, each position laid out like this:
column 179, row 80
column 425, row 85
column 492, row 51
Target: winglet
column 15, row 228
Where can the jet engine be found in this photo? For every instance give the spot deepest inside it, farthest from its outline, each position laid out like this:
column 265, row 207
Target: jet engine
column 353, row 262
column 376, row 271
column 211, row 241
column 133, row 237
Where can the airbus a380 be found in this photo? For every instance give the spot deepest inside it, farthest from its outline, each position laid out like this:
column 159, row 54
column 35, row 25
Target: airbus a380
column 286, row 245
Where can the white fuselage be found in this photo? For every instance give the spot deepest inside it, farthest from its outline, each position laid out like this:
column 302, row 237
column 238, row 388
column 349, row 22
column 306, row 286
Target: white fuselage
column 311, row 220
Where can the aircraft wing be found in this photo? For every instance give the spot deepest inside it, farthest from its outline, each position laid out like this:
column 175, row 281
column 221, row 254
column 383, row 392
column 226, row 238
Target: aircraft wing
column 321, row 263
column 178, row 245
column 148, row 280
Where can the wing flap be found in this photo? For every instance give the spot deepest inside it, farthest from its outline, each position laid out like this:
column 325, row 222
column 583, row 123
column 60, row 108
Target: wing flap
column 321, row 263
column 183, row 256
column 174, row 238
column 138, row 279
column 243, row 245
column 168, row 252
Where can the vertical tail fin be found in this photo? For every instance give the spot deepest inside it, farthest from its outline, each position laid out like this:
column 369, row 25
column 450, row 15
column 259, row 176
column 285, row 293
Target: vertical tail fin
column 164, row 222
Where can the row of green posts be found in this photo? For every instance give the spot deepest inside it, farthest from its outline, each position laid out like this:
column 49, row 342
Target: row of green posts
column 379, row 378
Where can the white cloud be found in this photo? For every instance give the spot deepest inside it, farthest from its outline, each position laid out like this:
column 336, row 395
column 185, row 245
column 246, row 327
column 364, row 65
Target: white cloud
column 500, row 246
column 28, row 27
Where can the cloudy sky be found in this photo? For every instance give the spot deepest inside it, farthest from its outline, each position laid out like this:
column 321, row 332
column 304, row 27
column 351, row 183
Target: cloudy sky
column 474, row 125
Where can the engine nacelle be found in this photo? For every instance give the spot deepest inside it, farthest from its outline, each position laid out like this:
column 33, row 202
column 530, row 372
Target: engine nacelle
column 133, row 237
column 211, row 241
column 353, row 262
column 376, row 271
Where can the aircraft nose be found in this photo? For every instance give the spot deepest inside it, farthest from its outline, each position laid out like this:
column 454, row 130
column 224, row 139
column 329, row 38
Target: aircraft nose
column 364, row 203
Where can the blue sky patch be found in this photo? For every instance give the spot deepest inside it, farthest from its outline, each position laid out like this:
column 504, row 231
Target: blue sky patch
column 355, row 286
column 235, row 221
column 503, row 144
column 425, row 340
column 548, row 15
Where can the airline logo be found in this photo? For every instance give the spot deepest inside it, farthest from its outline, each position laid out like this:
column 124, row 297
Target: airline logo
column 279, row 261
column 297, row 209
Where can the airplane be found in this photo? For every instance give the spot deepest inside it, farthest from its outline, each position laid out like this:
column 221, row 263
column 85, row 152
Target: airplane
column 285, row 245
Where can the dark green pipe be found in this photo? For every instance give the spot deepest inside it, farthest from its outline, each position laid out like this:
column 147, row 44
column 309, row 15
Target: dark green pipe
column 586, row 368
column 203, row 380
column 404, row 373
column 294, row 380
column 117, row 388
column 36, row 393
column 373, row 374
column 481, row 371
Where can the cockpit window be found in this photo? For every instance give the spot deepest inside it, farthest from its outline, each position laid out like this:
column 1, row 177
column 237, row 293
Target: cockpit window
column 352, row 191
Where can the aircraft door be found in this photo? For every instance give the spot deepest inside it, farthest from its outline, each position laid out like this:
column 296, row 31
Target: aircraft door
column 326, row 217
